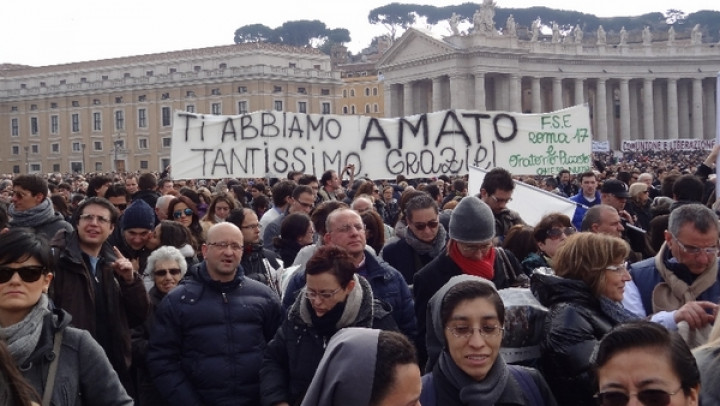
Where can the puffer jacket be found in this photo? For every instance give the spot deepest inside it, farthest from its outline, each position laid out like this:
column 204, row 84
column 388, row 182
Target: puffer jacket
column 207, row 343
column 84, row 374
column 574, row 325
column 387, row 284
column 294, row 354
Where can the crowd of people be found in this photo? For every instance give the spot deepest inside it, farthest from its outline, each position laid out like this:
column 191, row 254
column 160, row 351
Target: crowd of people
column 136, row 288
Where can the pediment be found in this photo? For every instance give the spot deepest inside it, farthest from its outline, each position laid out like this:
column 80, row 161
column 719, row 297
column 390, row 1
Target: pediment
column 416, row 45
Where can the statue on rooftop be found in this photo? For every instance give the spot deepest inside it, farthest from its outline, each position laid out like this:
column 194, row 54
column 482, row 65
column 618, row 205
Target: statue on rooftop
column 623, row 36
column 601, row 36
column 535, row 29
column 646, row 35
column 510, row 26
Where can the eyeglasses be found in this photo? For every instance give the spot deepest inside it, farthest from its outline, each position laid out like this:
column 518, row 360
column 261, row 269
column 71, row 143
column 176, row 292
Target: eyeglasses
column 90, row 218
column 27, row 273
column 648, row 397
column 251, row 226
column 501, row 201
column 224, row 244
column 466, row 332
column 693, row 250
column 306, row 205
column 312, row 295
column 121, row 206
column 349, row 227
column 422, row 226
column 618, row 268
column 555, row 233
column 376, row 190
column 179, row 213
column 473, row 248
column 163, row 272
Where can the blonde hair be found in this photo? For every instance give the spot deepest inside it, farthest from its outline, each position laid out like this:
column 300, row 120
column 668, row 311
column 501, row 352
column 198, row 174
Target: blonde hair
column 636, row 189
column 585, row 256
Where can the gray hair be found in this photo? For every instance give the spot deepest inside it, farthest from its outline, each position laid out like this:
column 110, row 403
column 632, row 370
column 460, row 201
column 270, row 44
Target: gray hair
column 594, row 216
column 166, row 252
column 700, row 216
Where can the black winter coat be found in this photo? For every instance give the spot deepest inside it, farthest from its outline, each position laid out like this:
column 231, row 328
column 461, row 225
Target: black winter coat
column 574, row 325
column 292, row 357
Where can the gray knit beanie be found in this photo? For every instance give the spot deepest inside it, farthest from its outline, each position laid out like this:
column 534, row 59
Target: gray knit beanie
column 472, row 221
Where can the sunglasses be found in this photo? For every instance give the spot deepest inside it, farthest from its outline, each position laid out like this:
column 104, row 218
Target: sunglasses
column 163, row 272
column 27, row 273
column 648, row 397
column 121, row 206
column 187, row 212
column 555, row 233
column 422, row 226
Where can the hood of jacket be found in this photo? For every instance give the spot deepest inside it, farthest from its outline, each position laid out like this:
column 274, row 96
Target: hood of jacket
column 553, row 289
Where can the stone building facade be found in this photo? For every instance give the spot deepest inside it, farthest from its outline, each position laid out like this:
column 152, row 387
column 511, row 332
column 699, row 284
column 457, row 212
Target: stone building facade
column 116, row 114
column 647, row 89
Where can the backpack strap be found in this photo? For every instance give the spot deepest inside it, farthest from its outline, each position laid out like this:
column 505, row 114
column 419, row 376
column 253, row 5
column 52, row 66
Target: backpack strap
column 52, row 371
column 527, row 383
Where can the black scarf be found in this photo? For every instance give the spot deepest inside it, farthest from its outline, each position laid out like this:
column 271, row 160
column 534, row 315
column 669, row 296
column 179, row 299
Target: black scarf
column 326, row 324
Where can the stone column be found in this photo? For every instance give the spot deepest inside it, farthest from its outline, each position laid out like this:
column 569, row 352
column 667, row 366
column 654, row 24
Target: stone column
column 458, row 98
column 634, row 112
column 579, row 91
column 710, row 106
column 557, row 94
column 480, row 92
column 683, row 109
column 697, row 109
column 515, row 88
column 408, row 105
column 536, row 96
column 601, row 110
column 437, row 94
column 659, row 113
column 625, row 109
column 648, row 111
column 672, row 109
column 391, row 102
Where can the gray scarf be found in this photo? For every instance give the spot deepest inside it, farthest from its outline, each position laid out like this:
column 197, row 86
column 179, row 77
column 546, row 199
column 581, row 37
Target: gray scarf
column 23, row 337
column 435, row 248
column 470, row 391
column 352, row 303
column 40, row 214
column 615, row 310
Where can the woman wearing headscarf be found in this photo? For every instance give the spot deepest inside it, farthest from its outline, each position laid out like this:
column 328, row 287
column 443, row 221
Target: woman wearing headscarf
column 584, row 303
column 334, row 297
column 38, row 335
column 465, row 331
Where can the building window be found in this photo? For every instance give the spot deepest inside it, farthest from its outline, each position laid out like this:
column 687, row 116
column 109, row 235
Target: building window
column 197, row 68
column 166, row 116
column 375, row 91
column 75, row 122
column 302, row 90
column 23, row 86
column 376, row 109
column 326, row 108
column 316, row 67
column 76, row 147
column 33, row 107
column 190, row 93
column 97, row 146
column 292, row 65
column 53, row 105
column 54, row 124
column 34, row 149
column 344, row 93
column 55, row 148
column 367, row 108
column 42, row 84
column 126, row 74
column 216, row 109
column 15, row 150
column 352, row 92
column 367, row 91
column 277, row 89
column 75, row 103
column 149, row 73
column 242, row 107
column 118, row 99
column 98, row 167
column 105, row 77
column 13, row 108
column 142, row 118
column 173, row 70
column 143, row 143
column 345, row 110
column 352, row 109
column 35, row 168
column 62, row 82
column 223, row 65
column 302, row 107
column 56, row 167
column 143, row 164
column 325, row 92
column 119, row 120
column 33, row 126
column 16, row 168
column 165, row 96
column 215, row 92
column 166, row 142
column 97, row 121
column 83, row 80
column 15, row 127
column 142, row 98
column 242, row 89
column 96, row 102
column 190, row 108
column 278, row 105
